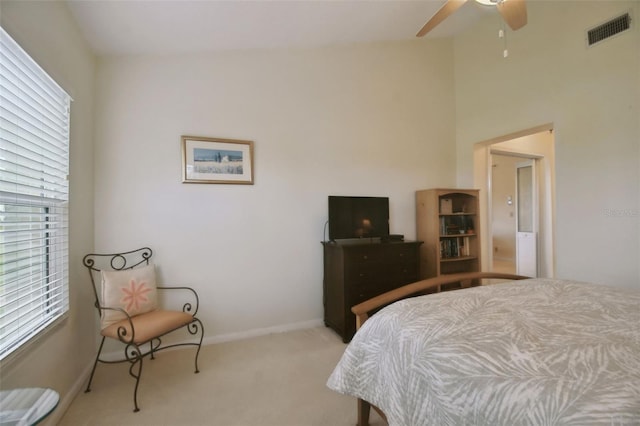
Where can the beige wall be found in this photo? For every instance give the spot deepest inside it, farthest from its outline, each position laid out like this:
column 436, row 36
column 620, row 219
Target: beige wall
column 356, row 120
column 59, row 359
column 592, row 98
column 503, row 218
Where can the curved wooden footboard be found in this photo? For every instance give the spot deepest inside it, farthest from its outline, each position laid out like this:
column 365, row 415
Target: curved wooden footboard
column 431, row 285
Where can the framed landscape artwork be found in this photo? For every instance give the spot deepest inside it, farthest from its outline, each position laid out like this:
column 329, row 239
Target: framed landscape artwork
column 211, row 160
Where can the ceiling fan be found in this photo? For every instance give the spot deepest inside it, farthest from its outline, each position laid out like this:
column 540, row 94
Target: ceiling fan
column 514, row 13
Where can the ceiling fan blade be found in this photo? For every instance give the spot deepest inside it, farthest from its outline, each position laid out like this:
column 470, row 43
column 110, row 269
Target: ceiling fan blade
column 514, row 12
column 449, row 7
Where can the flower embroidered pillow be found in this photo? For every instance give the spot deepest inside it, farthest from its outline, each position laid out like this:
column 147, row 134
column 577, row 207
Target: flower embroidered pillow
column 133, row 290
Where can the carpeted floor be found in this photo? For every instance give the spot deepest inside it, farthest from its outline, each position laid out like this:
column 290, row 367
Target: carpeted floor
column 275, row 380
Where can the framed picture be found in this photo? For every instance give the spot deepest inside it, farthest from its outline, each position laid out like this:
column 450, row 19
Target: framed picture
column 210, row 160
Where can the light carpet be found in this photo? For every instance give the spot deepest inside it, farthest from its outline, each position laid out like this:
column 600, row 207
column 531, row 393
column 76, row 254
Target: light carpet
column 276, row 380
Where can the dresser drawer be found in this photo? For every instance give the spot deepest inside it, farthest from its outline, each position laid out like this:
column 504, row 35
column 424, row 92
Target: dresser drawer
column 400, row 253
column 364, row 254
column 365, row 272
column 405, row 272
column 362, row 292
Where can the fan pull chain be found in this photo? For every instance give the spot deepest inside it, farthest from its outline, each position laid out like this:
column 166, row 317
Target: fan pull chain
column 503, row 35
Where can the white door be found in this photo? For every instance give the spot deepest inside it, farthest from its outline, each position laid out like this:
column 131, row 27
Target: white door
column 526, row 220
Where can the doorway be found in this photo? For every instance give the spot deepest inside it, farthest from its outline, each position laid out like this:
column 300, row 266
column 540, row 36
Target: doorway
column 517, row 243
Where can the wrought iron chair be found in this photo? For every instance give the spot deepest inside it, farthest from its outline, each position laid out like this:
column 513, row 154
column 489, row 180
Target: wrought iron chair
column 140, row 332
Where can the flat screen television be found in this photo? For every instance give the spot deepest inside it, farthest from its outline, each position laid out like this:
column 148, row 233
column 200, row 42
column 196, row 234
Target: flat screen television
column 358, row 217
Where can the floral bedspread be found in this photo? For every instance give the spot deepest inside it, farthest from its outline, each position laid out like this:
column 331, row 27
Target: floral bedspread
column 530, row 352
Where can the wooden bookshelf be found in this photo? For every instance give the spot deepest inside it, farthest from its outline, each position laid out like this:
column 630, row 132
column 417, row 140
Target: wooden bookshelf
column 447, row 221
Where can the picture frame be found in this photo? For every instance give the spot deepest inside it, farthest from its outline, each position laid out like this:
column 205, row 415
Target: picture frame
column 214, row 160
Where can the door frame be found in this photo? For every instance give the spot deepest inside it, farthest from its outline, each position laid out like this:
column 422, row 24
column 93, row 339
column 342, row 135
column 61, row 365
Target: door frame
column 482, row 180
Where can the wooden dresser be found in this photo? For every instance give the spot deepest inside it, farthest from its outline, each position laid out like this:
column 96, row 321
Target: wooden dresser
column 357, row 271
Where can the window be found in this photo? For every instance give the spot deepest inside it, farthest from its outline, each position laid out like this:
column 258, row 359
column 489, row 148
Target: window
column 34, row 194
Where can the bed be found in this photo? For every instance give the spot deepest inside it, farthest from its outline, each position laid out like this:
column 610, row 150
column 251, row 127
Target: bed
column 527, row 352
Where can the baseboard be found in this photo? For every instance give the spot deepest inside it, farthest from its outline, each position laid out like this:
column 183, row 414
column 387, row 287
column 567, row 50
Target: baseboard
column 257, row 332
column 504, row 259
column 241, row 335
column 67, row 399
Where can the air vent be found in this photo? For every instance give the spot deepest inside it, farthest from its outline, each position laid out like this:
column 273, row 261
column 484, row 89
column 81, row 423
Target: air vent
column 609, row 29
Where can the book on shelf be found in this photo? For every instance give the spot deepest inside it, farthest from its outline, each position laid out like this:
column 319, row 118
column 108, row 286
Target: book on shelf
column 454, row 247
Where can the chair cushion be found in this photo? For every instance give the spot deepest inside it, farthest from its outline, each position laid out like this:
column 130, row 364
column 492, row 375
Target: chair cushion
column 149, row 325
column 133, row 290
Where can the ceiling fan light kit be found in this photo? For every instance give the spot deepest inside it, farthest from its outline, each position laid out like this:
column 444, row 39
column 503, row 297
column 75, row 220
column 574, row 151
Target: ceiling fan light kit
column 488, row 2
column 513, row 12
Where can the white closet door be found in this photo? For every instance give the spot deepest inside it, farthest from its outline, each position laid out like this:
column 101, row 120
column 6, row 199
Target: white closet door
column 526, row 220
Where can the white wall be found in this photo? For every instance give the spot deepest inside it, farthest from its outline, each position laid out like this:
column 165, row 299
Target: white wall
column 59, row 359
column 592, row 98
column 357, row 120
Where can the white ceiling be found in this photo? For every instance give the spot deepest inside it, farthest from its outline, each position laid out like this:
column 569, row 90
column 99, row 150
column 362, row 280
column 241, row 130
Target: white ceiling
column 131, row 27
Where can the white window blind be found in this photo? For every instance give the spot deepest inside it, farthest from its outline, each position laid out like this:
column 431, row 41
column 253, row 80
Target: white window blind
column 34, row 194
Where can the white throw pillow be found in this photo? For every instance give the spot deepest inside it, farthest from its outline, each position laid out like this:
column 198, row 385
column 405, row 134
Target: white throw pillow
column 133, row 290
